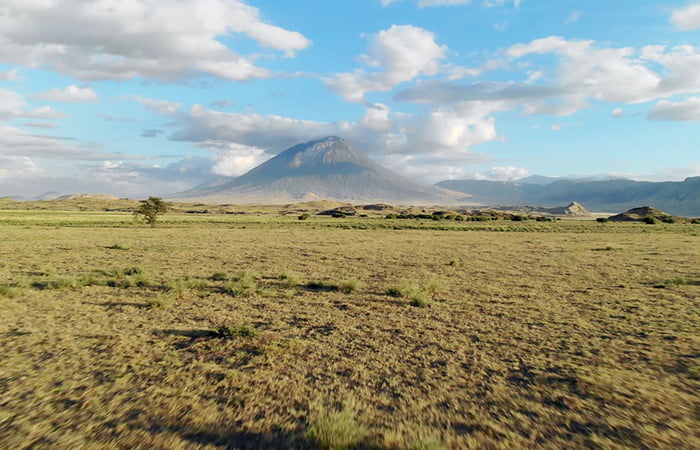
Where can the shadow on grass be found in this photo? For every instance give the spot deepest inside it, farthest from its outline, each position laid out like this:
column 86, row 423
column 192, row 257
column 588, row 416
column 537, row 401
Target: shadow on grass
column 118, row 304
column 220, row 437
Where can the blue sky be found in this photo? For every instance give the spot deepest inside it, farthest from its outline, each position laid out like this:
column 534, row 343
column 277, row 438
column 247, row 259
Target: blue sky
column 138, row 97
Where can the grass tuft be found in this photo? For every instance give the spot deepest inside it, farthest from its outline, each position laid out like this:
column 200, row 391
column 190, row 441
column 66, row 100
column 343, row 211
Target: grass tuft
column 336, row 429
column 349, row 286
column 289, row 280
column 9, row 291
column 117, row 247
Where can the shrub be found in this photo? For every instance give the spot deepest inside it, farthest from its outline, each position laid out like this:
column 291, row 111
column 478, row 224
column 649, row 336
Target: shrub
column 518, row 218
column 695, row 221
column 650, row 220
column 218, row 276
column 117, row 247
column 459, row 218
column 226, row 332
column 602, row 220
column 338, row 214
column 304, row 216
column 454, row 262
column 392, row 216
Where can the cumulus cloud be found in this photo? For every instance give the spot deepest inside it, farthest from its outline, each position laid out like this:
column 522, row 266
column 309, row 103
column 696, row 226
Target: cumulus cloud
column 432, row 3
column 686, row 111
column 502, row 173
column 618, row 112
column 17, row 142
column 109, row 39
column 9, row 75
column 440, row 139
column 687, row 18
column 402, row 53
column 14, row 105
column 69, row 94
column 584, row 72
column 162, row 107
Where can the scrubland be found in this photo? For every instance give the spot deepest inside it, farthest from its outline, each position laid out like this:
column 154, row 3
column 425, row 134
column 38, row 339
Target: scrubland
column 260, row 331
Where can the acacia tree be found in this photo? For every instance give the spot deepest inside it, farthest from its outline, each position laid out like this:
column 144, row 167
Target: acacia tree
column 149, row 210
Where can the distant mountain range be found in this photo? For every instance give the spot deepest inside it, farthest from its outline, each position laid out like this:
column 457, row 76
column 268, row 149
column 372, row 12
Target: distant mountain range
column 680, row 198
column 325, row 169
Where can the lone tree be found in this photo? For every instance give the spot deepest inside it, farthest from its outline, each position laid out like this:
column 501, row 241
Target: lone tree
column 149, row 210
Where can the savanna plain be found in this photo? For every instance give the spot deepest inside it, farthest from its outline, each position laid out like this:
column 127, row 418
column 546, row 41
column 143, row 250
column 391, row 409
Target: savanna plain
column 259, row 330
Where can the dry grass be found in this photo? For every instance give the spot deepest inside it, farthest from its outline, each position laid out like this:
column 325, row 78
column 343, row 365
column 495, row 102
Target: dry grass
column 536, row 339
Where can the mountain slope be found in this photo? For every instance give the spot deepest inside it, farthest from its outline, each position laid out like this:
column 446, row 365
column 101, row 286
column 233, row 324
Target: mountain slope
column 328, row 168
column 680, row 198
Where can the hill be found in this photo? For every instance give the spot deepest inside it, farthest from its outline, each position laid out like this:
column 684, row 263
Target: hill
column 325, row 169
column 679, row 198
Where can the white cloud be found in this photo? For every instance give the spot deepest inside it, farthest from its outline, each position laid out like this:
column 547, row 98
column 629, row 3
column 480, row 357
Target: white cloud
column 687, row 18
column 575, row 16
column 377, row 117
column 162, row 107
column 503, row 173
column 429, row 3
column 686, row 111
column 113, row 39
column 618, row 112
column 556, row 127
column 13, row 105
column 404, row 52
column 10, row 75
column 584, row 72
column 238, row 159
column 71, row 93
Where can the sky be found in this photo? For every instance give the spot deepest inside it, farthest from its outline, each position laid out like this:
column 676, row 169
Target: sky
column 152, row 97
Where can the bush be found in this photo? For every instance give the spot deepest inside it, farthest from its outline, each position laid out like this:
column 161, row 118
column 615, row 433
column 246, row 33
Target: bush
column 695, row 221
column 117, row 247
column 243, row 285
column 518, row 218
column 338, row 214
column 459, row 218
column 304, row 216
column 226, row 332
column 602, row 220
column 454, row 262
column 650, row 220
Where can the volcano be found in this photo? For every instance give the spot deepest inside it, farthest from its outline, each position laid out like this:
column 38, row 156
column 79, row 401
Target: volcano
column 325, row 169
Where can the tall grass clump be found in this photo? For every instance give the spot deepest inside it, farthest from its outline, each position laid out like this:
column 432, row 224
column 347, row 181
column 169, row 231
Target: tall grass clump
column 9, row 291
column 336, row 429
column 349, row 286
column 289, row 280
column 418, row 296
column 243, row 285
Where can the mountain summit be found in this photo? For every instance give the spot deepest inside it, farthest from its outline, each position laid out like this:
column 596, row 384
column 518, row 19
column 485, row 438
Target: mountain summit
column 328, row 169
